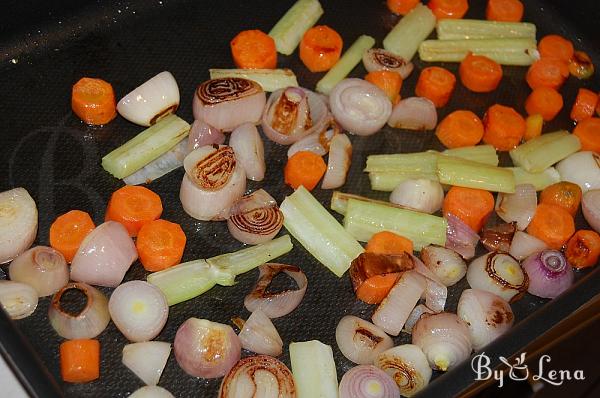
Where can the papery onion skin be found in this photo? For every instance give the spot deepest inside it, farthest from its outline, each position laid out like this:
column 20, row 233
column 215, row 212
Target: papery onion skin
column 517, row 207
column 367, row 381
column 498, row 237
column 376, row 59
column 549, row 273
column 361, row 341
column 338, row 163
column 590, row 205
column 408, row 366
column 483, row 273
column 206, row 349
column 419, row 194
column 581, row 168
column 42, row 268
column 446, row 264
column 19, row 300
column 249, row 150
column 460, row 237
column 414, row 113
column 151, row 392
column 202, row 134
column 18, row 223
column 523, row 245
column 245, row 380
column 260, row 336
column 359, row 106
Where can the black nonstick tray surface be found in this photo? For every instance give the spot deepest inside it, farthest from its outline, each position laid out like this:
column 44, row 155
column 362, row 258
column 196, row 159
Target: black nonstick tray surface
column 45, row 47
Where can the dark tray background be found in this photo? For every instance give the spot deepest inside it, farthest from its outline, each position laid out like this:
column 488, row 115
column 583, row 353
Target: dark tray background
column 46, row 47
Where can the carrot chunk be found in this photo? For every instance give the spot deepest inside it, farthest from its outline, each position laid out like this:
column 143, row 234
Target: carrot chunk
column 555, row 46
column 386, row 242
column 504, row 10
column 390, row 82
column 160, row 244
column 304, row 168
column 552, row 224
column 133, row 206
column 563, row 194
column 471, row 206
column 320, row 48
column 402, row 7
column 69, row 230
column 460, row 128
column 448, row 9
column 479, row 73
column 545, row 101
column 437, row 84
column 80, row 360
column 93, row 101
column 533, row 126
column 588, row 132
column 583, row 249
column 547, row 72
column 584, row 106
column 504, row 127
column 253, row 49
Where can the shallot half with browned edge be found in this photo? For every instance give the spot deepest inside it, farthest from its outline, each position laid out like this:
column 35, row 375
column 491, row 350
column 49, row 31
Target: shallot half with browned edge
column 361, row 341
column 255, row 218
column 498, row 273
column 258, row 334
column 42, row 268
column 408, row 366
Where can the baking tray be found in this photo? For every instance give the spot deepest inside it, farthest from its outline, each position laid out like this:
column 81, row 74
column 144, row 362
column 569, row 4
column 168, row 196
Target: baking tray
column 47, row 46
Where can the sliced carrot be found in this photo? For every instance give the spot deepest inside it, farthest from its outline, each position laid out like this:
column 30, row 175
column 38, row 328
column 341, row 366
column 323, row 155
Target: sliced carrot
column 460, row 128
column 504, row 127
column 552, row 224
column 585, row 104
column 583, row 249
column 376, row 288
column 448, row 9
column 93, row 101
column 402, row 7
column 588, row 132
column 548, row 72
column 533, row 126
column 80, row 360
column 545, row 101
column 253, row 49
column 304, row 168
column 320, row 48
column 133, row 206
column 437, row 84
column 563, row 194
column 555, row 46
column 471, row 206
column 479, row 73
column 386, row 242
column 390, row 82
column 69, row 230
column 160, row 244
column 598, row 106
column 504, row 10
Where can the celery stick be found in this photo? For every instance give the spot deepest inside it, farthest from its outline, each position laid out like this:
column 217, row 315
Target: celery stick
column 316, row 229
column 288, row 31
column 160, row 166
column 251, row 257
column 269, row 79
column 345, row 64
column 479, row 153
column 339, row 201
column 146, row 146
column 504, row 51
column 458, row 29
column 314, row 370
column 538, row 180
column 387, row 181
column 404, row 39
column 464, row 173
column 538, row 154
column 421, row 162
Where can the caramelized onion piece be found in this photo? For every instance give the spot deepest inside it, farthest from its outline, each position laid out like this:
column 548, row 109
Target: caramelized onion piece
column 255, row 218
column 408, row 366
column 499, row 237
column 498, row 273
column 376, row 59
column 360, row 341
column 214, row 170
column 259, row 376
column 368, row 265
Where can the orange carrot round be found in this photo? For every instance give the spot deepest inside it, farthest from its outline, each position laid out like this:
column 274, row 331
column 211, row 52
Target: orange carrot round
column 588, row 132
column 555, row 46
column 402, row 7
column 390, row 82
column 585, row 104
column 583, row 249
column 545, row 101
column 320, row 48
column 133, row 206
column 504, row 127
column 93, row 101
column 471, row 206
column 460, row 128
column 504, row 10
column 253, row 49
column 386, row 242
column 437, row 84
column 533, row 126
column 304, row 168
column 479, row 73
column 563, row 194
column 80, row 360
column 69, row 230
column 376, row 288
column 160, row 244
column 548, row 72
column 448, row 9
column 552, row 224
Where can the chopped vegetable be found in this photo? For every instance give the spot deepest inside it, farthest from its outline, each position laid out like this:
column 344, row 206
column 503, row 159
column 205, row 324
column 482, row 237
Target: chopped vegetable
column 471, row 206
column 133, row 206
column 585, row 105
column 479, row 73
column 548, row 72
column 314, row 369
column 504, row 10
column 17, row 299
column 563, row 194
column 402, row 7
column 320, row 48
column 583, row 249
column 339, row 201
column 465, row 173
column 479, row 153
column 68, row 231
column 93, row 101
column 460, row 128
column 80, row 360
column 421, row 195
column 588, row 132
column 386, row 242
column 304, row 168
column 374, row 275
column 459, row 29
column 387, row 181
column 253, row 49
column 418, row 162
column 581, row 65
column 390, row 82
column 518, row 52
column 448, row 9
column 544, row 101
column 533, row 126
column 269, row 79
column 160, row 245
column 552, row 224
column 538, row 154
column 164, row 164
column 147, row 360
column 555, row 46
column 538, row 180
column 404, row 39
column 288, row 31
column 504, row 127
column 437, row 84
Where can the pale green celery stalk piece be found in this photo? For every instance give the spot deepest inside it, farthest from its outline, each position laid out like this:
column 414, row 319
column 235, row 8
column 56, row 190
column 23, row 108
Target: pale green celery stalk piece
column 363, row 219
column 345, row 64
column 319, row 232
column 251, row 257
column 314, row 370
column 419, row 162
column 288, row 31
column 387, row 181
column 464, row 173
column 339, row 201
column 479, row 153
column 146, row 146
column 538, row 154
column 269, row 79
column 520, row 52
column 404, row 39
column 538, row 180
column 457, row 29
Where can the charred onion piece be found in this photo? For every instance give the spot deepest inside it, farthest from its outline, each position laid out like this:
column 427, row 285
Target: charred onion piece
column 368, row 265
column 255, row 218
column 498, row 237
column 258, row 376
column 581, row 65
column 498, row 273
column 360, row 341
column 377, row 59
column 408, row 366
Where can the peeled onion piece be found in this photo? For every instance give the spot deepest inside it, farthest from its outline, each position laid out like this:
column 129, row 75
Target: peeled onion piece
column 317, row 143
column 139, row 310
column 19, row 300
column 581, row 168
column 500, row 274
column 151, row 392
column 408, row 366
column 338, row 163
column 419, row 194
column 361, row 341
column 414, row 316
column 414, row 113
column 549, row 273
column 446, row 264
column 147, row 359
column 486, row 315
column 517, row 207
column 498, row 237
column 206, row 349
column 260, row 336
column 212, row 183
column 359, row 106
column 18, row 223
column 294, row 113
column 104, row 256
column 259, row 376
column 202, row 134
column 367, row 381
column 152, row 101
column 86, row 324
column 376, row 59
column 229, row 102
column 255, row 218
column 164, row 164
column 590, row 205
column 276, row 305
column 460, row 237
column 249, row 150
column 444, row 339
column 523, row 245
column 42, row 268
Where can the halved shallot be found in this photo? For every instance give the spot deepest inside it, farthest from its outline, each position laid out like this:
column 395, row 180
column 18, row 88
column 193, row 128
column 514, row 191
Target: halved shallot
column 367, row 381
column 414, row 316
column 147, row 359
column 408, row 366
column 259, row 376
column 255, row 218
column 498, row 273
column 446, row 264
column 590, row 205
column 318, row 142
column 376, row 59
column 202, row 134
column 151, row 392
column 260, row 336
column 18, row 223
column 338, row 163
column 435, row 291
column 460, row 237
column 498, row 237
column 549, row 273
column 249, row 150
column 19, row 300
column 523, row 245
column 414, row 113
column 42, row 268
column 419, row 194
column 581, row 168
column 361, row 341
column 517, row 207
